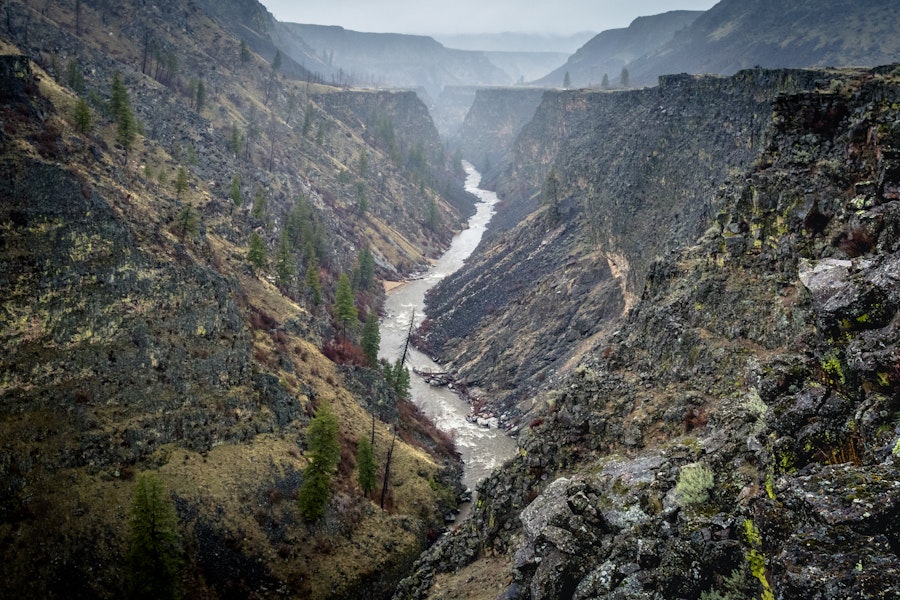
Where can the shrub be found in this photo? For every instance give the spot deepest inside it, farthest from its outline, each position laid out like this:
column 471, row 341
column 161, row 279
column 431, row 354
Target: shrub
column 694, row 483
column 833, row 372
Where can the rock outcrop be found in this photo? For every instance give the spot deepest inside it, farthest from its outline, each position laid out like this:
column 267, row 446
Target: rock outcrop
column 737, row 436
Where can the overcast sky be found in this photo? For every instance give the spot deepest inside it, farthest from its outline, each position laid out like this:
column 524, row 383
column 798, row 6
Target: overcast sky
column 475, row 16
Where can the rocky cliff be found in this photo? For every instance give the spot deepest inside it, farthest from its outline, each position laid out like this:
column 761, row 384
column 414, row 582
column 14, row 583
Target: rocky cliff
column 493, row 122
column 521, row 310
column 737, row 436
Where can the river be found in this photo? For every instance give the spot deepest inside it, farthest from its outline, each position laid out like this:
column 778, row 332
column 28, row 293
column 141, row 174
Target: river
column 482, row 449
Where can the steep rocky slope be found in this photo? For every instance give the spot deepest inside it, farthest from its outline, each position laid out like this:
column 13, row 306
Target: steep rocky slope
column 492, row 124
column 250, row 22
column 523, row 308
column 139, row 335
column 738, row 435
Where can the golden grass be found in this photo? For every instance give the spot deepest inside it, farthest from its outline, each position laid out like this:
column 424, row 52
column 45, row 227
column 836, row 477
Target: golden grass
column 485, row 579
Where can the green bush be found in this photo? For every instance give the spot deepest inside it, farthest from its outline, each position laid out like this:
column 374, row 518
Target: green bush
column 694, row 483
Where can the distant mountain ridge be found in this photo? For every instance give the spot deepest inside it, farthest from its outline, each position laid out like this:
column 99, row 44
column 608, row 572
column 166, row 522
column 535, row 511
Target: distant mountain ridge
column 509, row 41
column 739, row 34
column 395, row 60
column 608, row 52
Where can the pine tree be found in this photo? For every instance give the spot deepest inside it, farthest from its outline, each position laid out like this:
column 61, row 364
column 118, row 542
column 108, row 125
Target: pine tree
column 118, row 97
column 434, row 217
column 201, row 96
column 322, row 439
column 366, row 263
column 567, row 80
column 276, row 66
column 365, row 465
column 235, row 141
column 297, row 223
column 320, row 134
column 126, row 130
column 605, row 83
column 75, row 78
column 187, row 221
column 307, row 120
column 181, row 181
column 82, row 116
column 401, row 380
column 371, row 339
column 276, row 62
column 256, row 254
column 120, row 110
column 398, row 377
column 550, row 195
column 154, row 552
column 313, row 282
column 345, row 303
column 285, row 266
column 236, row 196
column 259, row 204
column 314, row 492
column 324, row 451
column 362, row 202
column 245, row 53
column 625, row 78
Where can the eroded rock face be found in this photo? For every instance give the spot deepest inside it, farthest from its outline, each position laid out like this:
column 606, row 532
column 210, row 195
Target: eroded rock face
column 638, row 174
column 492, row 123
column 767, row 353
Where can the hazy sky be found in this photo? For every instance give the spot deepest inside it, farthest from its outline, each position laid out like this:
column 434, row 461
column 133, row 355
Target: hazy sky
column 474, row 16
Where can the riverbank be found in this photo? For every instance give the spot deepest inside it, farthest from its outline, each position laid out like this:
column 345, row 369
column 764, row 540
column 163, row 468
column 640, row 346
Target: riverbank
column 482, row 449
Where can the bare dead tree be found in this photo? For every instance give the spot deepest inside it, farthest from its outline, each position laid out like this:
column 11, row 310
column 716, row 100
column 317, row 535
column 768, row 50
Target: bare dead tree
column 412, row 320
column 387, row 469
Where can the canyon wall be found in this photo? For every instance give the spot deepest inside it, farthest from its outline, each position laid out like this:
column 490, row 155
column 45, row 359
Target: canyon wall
column 637, row 176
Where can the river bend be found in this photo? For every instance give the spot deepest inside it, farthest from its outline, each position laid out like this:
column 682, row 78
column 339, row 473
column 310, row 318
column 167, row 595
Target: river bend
column 482, row 449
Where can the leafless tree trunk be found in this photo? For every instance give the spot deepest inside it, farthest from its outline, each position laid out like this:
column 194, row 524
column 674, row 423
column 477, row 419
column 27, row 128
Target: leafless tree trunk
column 387, row 469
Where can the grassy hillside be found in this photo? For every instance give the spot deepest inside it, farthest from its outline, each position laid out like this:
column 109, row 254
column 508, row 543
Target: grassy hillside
column 139, row 336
